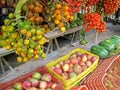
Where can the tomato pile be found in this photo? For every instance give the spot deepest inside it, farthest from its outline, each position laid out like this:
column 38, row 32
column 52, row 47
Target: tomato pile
column 110, row 6
column 93, row 21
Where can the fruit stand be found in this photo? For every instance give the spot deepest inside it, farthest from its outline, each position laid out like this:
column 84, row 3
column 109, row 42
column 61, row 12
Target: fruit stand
column 32, row 31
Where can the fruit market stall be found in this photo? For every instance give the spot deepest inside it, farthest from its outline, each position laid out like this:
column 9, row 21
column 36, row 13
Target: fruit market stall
column 32, row 32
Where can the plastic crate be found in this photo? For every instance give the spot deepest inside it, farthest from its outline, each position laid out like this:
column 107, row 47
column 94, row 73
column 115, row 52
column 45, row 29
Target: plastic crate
column 96, row 79
column 41, row 69
column 67, row 84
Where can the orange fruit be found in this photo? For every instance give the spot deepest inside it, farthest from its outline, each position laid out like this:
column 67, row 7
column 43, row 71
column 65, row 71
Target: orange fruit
column 68, row 17
column 59, row 17
column 58, row 6
column 60, row 25
column 57, row 11
column 66, row 8
column 71, row 18
column 66, row 13
column 45, row 26
column 56, row 21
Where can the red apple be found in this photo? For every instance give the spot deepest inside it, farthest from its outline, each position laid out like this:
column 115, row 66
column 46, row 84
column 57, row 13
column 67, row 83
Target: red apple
column 82, row 63
column 74, row 60
column 70, row 70
column 34, row 82
column 61, row 62
column 74, row 55
column 79, row 59
column 88, row 63
column 54, row 85
column 58, row 71
column 93, row 59
column 46, row 77
column 26, row 84
column 65, row 75
column 52, row 67
column 84, row 57
column 49, row 84
column 65, row 67
column 84, row 67
column 89, row 57
column 43, row 84
column 67, row 61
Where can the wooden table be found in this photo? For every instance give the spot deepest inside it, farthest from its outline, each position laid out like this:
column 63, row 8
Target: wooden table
column 4, row 52
column 53, row 35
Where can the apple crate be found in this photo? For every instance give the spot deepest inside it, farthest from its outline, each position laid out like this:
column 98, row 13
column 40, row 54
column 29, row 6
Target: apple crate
column 67, row 84
column 41, row 69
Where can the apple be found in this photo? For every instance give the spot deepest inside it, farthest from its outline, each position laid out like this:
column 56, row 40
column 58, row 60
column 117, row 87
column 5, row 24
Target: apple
column 67, row 61
column 48, row 89
column 71, row 65
column 57, row 66
column 84, row 57
column 58, row 71
column 79, row 59
column 52, row 67
column 89, row 57
column 84, row 67
column 46, row 77
column 43, row 84
column 54, row 85
column 74, row 55
column 70, row 70
column 36, row 75
column 61, row 62
column 26, row 84
column 78, row 54
column 18, row 86
column 32, row 88
column 65, row 75
column 88, row 63
column 34, row 82
column 65, row 67
column 74, row 60
column 49, row 84
column 93, row 59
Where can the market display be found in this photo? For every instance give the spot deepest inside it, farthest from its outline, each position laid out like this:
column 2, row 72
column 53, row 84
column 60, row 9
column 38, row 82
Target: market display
column 23, row 31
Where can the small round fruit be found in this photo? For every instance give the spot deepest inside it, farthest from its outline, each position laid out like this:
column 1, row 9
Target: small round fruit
column 62, row 29
column 11, row 15
column 25, row 59
column 26, row 41
column 19, row 59
column 36, row 75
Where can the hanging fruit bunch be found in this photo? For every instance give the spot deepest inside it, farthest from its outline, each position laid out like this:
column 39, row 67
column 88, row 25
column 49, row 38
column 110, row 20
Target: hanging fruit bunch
column 74, row 5
column 19, row 34
column 111, row 6
column 93, row 21
column 34, row 10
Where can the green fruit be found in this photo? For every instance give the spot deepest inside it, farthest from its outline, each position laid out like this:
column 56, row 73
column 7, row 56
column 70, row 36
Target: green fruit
column 26, row 41
column 36, row 75
column 71, row 75
column 18, row 86
column 30, row 51
column 82, row 42
column 6, row 21
column 10, row 28
column 33, row 31
column 11, row 16
column 3, row 27
column 21, row 24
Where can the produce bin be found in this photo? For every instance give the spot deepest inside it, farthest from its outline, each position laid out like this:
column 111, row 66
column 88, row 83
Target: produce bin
column 101, row 78
column 41, row 69
column 67, row 84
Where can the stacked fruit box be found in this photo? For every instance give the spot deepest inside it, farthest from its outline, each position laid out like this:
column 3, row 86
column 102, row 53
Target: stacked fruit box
column 102, row 77
column 22, row 82
column 73, row 67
